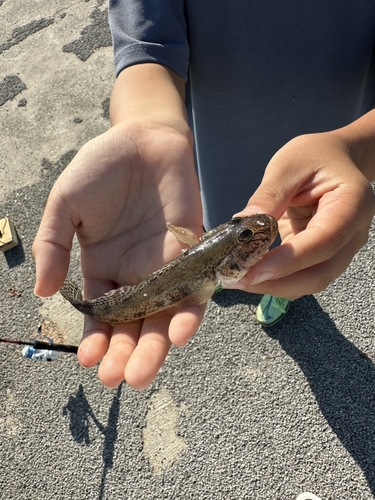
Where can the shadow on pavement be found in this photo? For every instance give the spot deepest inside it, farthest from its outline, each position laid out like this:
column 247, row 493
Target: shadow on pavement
column 15, row 256
column 341, row 377
column 80, row 412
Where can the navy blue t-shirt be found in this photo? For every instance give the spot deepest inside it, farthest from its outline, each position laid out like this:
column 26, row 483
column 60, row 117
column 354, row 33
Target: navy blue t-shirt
column 258, row 74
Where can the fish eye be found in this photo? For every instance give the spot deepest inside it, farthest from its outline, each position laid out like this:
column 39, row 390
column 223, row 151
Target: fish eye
column 246, row 235
column 235, row 220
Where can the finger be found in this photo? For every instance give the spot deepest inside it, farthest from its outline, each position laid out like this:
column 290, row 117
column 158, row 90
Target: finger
column 95, row 342
column 291, row 175
column 122, row 344
column 277, row 188
column 150, row 352
column 96, row 334
column 307, row 281
column 52, row 247
column 185, row 323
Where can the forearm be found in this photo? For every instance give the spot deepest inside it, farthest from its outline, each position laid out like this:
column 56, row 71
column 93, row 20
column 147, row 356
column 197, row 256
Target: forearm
column 152, row 94
column 360, row 139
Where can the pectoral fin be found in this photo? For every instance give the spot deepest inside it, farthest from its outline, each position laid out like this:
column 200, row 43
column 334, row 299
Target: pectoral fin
column 183, row 234
column 201, row 296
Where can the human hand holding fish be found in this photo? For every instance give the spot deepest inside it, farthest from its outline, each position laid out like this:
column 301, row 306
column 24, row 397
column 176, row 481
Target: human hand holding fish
column 318, row 188
column 117, row 195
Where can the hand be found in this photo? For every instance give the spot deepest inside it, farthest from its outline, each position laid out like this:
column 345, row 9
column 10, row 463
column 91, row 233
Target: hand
column 325, row 206
column 117, row 195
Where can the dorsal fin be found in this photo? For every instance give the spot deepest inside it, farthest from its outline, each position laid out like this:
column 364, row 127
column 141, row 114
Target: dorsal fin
column 184, row 235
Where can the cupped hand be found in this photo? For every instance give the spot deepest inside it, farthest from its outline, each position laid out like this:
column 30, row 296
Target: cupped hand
column 324, row 205
column 117, row 195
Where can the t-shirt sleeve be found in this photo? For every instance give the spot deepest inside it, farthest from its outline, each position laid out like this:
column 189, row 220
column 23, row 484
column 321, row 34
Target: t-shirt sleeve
column 145, row 31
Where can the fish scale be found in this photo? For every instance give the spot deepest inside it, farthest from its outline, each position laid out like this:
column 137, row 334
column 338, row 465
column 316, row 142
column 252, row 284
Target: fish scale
column 222, row 256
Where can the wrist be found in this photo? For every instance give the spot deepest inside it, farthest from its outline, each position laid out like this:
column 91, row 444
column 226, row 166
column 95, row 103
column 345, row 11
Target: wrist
column 151, row 96
column 359, row 140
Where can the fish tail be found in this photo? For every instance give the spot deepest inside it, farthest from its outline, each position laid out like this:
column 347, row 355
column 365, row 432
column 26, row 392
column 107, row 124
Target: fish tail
column 71, row 292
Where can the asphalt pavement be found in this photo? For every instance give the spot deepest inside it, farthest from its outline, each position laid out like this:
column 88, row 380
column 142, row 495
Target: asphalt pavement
column 242, row 412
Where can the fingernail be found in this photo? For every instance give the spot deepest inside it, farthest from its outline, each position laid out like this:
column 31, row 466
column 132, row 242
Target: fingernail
column 264, row 276
column 250, row 210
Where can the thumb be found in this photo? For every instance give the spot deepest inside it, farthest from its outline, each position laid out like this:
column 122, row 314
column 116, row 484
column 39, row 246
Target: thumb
column 272, row 196
column 266, row 200
column 52, row 246
column 282, row 180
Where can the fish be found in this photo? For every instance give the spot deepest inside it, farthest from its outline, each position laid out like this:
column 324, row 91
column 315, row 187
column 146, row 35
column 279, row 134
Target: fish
column 222, row 256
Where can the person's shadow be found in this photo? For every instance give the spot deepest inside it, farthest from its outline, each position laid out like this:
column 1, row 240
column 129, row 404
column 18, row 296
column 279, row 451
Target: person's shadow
column 341, row 376
column 80, row 413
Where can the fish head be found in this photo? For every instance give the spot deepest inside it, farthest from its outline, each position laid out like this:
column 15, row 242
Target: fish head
column 251, row 238
column 258, row 227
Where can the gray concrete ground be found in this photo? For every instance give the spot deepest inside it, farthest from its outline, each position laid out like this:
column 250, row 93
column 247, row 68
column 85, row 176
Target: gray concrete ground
column 241, row 412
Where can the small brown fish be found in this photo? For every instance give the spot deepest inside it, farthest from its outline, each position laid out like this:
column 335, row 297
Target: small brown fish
column 223, row 255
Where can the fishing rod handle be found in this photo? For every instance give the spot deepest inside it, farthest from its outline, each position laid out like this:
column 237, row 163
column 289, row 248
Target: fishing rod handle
column 38, row 344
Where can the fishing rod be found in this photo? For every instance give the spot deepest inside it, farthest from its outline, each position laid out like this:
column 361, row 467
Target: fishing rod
column 39, row 344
